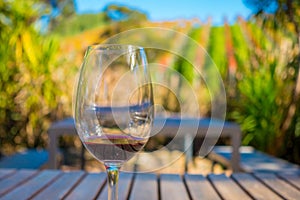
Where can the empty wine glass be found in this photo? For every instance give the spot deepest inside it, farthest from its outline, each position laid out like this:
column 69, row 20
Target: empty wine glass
column 114, row 106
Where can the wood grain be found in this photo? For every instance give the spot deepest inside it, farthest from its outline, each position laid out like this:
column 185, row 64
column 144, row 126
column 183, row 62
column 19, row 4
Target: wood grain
column 168, row 183
column 281, row 187
column 145, row 187
column 200, row 188
column 57, row 184
column 33, row 186
column 292, row 178
column 14, row 180
column 227, row 188
column 89, row 187
column 61, row 186
column 254, row 187
column 6, row 172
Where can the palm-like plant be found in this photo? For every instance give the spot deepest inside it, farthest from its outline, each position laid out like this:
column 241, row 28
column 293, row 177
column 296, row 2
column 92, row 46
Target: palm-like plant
column 28, row 92
column 280, row 20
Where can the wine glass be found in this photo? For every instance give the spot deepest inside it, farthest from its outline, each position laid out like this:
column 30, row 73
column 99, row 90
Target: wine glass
column 114, row 106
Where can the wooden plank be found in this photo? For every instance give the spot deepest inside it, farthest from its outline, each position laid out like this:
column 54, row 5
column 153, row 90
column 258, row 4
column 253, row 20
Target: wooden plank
column 227, row 188
column 6, row 172
column 14, row 180
column 284, row 189
column 33, row 186
column 254, row 187
column 89, row 187
column 292, row 178
column 61, row 186
column 167, row 184
column 125, row 180
column 145, row 187
column 200, row 188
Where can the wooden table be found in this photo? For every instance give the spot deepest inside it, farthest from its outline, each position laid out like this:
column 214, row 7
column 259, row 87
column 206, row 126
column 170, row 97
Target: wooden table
column 56, row 184
column 185, row 129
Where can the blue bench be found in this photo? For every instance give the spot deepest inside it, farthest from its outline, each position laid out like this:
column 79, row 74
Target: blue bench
column 252, row 160
column 29, row 159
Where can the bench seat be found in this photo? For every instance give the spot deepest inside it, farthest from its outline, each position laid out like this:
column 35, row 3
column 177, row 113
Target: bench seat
column 253, row 160
column 28, row 159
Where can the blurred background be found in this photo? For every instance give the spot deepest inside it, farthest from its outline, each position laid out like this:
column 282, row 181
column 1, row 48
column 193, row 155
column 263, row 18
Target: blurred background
column 255, row 45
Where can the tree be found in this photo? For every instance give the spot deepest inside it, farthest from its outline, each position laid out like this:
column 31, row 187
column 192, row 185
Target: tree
column 121, row 18
column 283, row 15
column 123, row 13
column 29, row 89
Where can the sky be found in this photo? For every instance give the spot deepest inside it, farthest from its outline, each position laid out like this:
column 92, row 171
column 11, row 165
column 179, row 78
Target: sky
column 160, row 10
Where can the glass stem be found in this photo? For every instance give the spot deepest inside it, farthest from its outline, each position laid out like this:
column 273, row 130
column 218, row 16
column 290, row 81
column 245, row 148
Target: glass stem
column 112, row 181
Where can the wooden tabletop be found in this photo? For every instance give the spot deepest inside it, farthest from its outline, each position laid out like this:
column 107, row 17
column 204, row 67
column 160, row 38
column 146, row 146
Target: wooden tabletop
column 56, row 184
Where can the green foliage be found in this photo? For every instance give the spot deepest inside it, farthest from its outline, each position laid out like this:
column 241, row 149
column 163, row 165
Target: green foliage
column 259, row 108
column 29, row 93
column 262, row 98
column 182, row 64
column 216, row 62
column 68, row 23
column 273, row 72
column 216, row 49
column 74, row 24
column 241, row 50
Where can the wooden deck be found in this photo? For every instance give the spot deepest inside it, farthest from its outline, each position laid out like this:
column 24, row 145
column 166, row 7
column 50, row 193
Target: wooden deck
column 56, row 184
column 252, row 160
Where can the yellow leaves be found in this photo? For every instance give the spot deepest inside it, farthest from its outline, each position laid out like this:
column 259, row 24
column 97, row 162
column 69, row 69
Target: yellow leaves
column 30, row 48
column 19, row 51
column 290, row 26
column 26, row 47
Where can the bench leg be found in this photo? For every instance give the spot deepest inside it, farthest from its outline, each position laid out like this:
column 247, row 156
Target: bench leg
column 52, row 151
column 188, row 147
column 235, row 157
